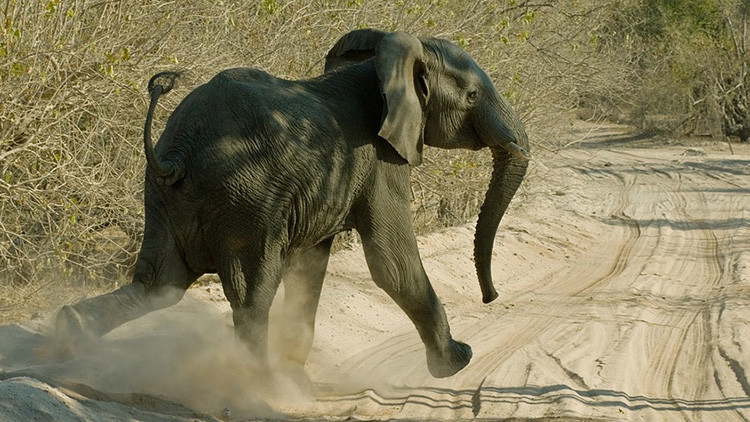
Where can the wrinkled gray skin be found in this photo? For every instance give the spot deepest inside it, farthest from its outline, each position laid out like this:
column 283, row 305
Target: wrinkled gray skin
column 254, row 175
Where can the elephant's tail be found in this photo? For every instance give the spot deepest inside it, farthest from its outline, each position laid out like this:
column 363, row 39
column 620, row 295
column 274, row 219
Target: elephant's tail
column 159, row 84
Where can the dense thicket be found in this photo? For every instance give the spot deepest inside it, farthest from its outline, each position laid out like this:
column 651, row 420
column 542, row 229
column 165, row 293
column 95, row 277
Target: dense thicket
column 687, row 64
column 73, row 97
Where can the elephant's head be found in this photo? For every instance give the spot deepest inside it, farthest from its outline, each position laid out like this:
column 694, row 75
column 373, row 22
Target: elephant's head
column 435, row 94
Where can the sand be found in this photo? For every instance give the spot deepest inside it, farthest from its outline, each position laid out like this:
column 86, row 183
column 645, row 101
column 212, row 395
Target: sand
column 623, row 269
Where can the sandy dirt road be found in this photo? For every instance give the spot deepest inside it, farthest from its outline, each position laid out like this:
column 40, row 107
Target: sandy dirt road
column 624, row 278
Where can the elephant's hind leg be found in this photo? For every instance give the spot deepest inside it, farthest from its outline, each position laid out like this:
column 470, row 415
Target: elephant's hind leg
column 250, row 279
column 79, row 325
column 160, row 281
column 303, row 281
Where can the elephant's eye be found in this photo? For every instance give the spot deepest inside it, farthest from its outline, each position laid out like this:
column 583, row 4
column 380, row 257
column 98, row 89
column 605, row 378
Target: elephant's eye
column 472, row 96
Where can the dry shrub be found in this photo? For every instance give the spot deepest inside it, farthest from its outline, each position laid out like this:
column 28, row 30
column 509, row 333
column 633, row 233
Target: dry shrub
column 73, row 100
column 686, row 69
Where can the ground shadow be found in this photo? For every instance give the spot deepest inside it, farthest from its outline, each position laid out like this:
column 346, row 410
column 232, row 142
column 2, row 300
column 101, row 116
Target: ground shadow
column 732, row 166
column 699, row 224
column 646, row 139
column 735, row 167
column 611, row 398
column 442, row 398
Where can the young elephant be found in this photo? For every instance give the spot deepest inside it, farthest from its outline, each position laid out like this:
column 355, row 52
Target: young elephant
column 255, row 174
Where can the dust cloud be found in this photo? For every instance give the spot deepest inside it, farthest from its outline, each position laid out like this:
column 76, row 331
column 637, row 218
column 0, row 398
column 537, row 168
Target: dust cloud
column 186, row 354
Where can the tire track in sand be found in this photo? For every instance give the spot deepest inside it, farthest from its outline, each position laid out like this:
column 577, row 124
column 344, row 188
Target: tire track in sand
column 514, row 335
column 630, row 328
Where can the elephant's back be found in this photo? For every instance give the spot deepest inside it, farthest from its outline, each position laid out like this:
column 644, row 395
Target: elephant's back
column 273, row 153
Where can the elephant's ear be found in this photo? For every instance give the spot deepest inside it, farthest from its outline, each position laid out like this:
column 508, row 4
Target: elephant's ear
column 399, row 65
column 356, row 46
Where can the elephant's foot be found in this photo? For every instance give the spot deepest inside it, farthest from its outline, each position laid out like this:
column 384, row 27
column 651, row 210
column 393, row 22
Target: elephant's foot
column 69, row 337
column 293, row 375
column 441, row 366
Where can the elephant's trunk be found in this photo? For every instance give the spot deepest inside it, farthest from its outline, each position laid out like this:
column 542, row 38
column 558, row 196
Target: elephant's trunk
column 507, row 173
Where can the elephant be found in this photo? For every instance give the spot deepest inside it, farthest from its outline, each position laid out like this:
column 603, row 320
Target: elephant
column 254, row 175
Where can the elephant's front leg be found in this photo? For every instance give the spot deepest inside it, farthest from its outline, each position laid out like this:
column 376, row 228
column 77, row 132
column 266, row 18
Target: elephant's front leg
column 393, row 258
column 303, row 281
